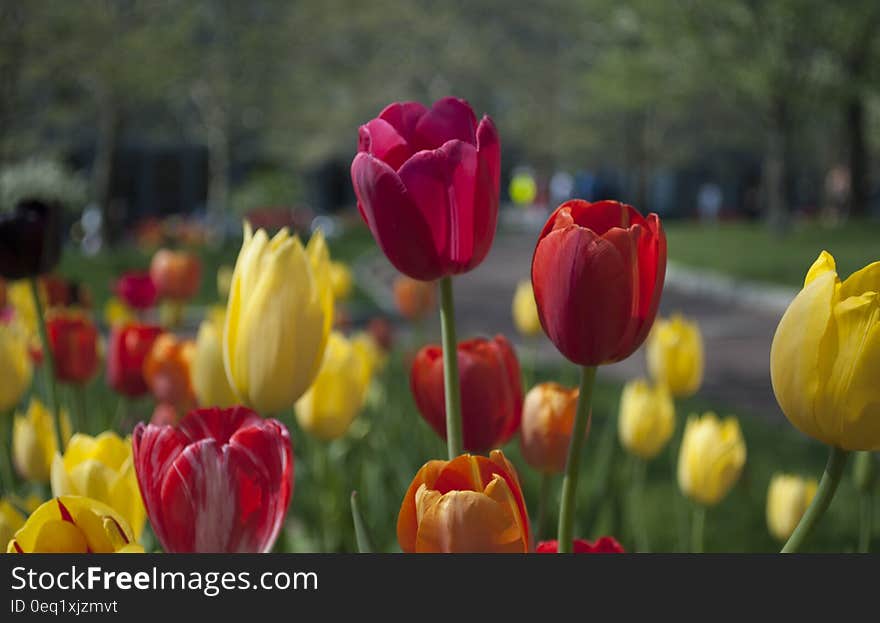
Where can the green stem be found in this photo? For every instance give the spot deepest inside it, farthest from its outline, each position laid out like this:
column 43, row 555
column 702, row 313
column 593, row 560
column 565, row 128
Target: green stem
column 48, row 365
column 543, row 496
column 698, row 527
column 568, row 500
column 866, row 521
column 637, row 509
column 79, row 397
column 821, row 501
column 6, row 446
column 452, row 392
column 364, row 542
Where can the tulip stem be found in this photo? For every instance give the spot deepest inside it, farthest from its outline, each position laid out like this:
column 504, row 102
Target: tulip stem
column 821, row 501
column 698, row 529
column 543, row 495
column 866, row 521
column 452, row 392
column 48, row 364
column 6, row 445
column 364, row 542
column 565, row 535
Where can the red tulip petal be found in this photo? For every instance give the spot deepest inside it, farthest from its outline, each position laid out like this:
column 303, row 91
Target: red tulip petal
column 577, row 279
column 154, row 450
column 198, row 505
column 217, row 424
column 513, row 381
column 652, row 262
column 399, row 227
column 627, row 243
column 448, row 119
column 404, row 117
column 489, row 148
column 379, row 138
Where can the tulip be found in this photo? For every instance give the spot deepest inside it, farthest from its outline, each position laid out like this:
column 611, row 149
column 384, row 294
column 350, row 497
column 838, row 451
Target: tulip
column 128, row 348
column 33, row 441
column 825, row 357
column 74, row 342
column 101, row 468
column 823, row 366
column 547, row 420
column 137, row 290
column 11, row 522
column 72, row 524
column 371, row 352
column 208, row 374
column 166, row 370
column 30, row 239
column 491, row 391
column 278, row 318
column 787, row 499
column 17, row 367
column 22, row 302
column 597, row 273
column 427, row 185
column 647, row 418
column 675, row 355
column 224, row 281
column 176, row 274
column 330, row 405
column 414, row 299
column 221, row 481
column 711, row 458
column 710, row 461
column 525, row 312
column 341, row 280
column 467, row 504
column 117, row 313
column 602, row 545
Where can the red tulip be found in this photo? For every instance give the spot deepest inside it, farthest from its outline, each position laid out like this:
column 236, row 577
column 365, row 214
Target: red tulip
column 597, row 274
column 74, row 342
column 491, row 391
column 603, row 545
column 220, row 481
column 427, row 185
column 128, row 348
column 176, row 274
column 137, row 290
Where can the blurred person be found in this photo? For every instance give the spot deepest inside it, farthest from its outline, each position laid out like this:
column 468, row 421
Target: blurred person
column 837, row 194
column 709, row 202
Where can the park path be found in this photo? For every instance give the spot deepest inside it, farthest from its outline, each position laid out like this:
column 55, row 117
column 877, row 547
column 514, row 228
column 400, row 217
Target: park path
column 737, row 330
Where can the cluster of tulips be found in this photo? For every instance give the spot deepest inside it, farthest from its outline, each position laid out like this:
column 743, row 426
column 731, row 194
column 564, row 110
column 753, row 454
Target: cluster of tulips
column 213, row 469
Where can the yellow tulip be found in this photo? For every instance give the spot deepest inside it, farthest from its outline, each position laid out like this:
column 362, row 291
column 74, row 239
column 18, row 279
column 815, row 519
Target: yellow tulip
column 208, row 374
column 787, row 499
column 341, row 280
column 711, row 458
column 17, row 367
column 117, row 313
column 74, row 525
column 525, row 310
column 337, row 396
column 33, row 441
column 11, row 522
column 675, row 355
column 224, row 281
column 101, row 468
column 20, row 297
column 372, row 353
column 825, row 357
column 278, row 318
column 647, row 418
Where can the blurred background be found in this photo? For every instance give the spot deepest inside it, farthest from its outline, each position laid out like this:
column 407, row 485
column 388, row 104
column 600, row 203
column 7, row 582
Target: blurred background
column 752, row 127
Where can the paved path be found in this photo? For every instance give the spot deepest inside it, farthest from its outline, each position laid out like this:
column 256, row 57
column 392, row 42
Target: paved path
column 737, row 335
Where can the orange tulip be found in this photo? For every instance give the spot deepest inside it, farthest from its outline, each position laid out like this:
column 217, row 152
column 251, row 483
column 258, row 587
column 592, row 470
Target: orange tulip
column 167, row 371
column 176, row 274
column 414, row 299
column 545, row 432
column 469, row 504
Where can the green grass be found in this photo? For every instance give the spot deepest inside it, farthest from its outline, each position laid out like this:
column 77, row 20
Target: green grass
column 750, row 251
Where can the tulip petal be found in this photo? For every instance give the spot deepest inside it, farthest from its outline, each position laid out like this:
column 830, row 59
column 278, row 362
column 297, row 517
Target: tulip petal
column 407, row 519
column 489, row 150
column 796, row 366
column 404, row 117
column 448, row 119
column 399, row 227
column 380, row 139
column 577, row 278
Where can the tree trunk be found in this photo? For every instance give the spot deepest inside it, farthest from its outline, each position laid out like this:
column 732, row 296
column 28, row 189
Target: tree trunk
column 775, row 166
column 109, row 123
column 858, row 156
